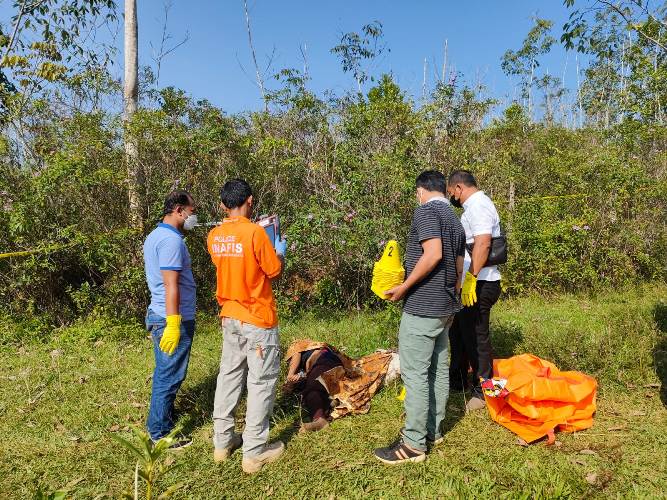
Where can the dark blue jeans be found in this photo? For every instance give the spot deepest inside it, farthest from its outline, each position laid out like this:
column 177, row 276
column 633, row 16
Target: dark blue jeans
column 168, row 375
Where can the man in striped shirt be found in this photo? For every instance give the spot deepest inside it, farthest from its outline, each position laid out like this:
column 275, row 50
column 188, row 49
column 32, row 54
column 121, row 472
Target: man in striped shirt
column 433, row 264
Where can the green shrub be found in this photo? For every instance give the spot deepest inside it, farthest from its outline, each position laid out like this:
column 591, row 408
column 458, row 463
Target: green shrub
column 581, row 207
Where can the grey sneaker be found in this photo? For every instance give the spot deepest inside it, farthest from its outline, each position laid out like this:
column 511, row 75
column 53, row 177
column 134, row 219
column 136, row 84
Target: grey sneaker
column 475, row 403
column 398, row 453
column 271, row 453
column 222, row 454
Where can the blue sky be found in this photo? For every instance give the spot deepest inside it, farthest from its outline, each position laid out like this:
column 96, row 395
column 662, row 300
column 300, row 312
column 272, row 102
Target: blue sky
column 216, row 63
column 210, row 64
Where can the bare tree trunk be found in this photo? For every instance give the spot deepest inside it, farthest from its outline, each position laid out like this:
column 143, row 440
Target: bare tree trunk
column 135, row 174
column 658, row 110
column 15, row 31
column 579, row 106
column 424, row 85
column 561, row 104
column 508, row 227
column 607, row 112
column 304, row 55
column 260, row 81
column 530, row 89
column 444, row 64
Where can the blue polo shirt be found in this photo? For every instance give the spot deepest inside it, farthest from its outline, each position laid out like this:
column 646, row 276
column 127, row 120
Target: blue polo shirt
column 165, row 250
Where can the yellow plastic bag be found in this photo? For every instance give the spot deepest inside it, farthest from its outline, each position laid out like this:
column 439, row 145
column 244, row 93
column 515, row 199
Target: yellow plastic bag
column 388, row 272
column 541, row 399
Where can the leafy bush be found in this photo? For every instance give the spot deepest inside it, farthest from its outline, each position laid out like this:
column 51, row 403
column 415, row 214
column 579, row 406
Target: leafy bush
column 581, row 207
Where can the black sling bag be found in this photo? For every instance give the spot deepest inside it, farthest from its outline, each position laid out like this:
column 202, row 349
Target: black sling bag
column 498, row 251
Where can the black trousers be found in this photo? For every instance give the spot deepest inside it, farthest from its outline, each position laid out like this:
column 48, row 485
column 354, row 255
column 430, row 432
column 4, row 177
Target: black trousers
column 470, row 342
column 459, row 363
column 314, row 395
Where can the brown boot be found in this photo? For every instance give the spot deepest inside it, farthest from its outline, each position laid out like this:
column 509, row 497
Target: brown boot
column 222, row 454
column 316, row 425
column 271, row 453
column 475, row 403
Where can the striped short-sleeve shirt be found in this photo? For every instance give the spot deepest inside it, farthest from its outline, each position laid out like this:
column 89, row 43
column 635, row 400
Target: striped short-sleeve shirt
column 435, row 296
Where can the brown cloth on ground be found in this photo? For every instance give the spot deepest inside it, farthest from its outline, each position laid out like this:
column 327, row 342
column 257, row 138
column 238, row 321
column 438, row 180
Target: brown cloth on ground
column 352, row 385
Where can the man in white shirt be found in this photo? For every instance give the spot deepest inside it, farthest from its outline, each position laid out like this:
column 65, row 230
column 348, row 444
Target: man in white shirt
column 481, row 287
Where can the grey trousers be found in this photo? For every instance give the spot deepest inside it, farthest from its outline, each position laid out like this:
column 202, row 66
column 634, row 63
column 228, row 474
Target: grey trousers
column 250, row 357
column 423, row 351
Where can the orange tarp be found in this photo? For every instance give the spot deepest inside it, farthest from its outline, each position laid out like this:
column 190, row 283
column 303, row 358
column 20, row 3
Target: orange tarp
column 541, row 398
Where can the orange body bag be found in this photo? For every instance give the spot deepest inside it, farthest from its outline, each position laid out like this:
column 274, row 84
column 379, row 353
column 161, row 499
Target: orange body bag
column 541, row 399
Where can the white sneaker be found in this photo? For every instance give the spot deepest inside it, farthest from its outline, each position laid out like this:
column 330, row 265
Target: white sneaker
column 434, row 442
column 222, row 454
column 270, row 454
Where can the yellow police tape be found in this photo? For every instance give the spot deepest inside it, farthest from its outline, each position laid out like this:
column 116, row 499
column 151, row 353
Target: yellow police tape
column 553, row 197
column 383, row 279
column 23, row 253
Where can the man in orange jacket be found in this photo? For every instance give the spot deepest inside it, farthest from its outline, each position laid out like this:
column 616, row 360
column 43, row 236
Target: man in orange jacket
column 246, row 264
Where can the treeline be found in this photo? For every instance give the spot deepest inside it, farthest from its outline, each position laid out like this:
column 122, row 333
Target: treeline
column 584, row 206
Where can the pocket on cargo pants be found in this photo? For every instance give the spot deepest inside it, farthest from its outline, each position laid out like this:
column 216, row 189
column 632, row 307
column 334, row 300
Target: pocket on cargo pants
column 263, row 353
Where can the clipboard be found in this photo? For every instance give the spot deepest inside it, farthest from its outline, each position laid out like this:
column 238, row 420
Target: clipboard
column 271, row 224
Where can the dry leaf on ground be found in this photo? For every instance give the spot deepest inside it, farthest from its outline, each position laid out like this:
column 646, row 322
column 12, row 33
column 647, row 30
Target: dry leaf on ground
column 591, row 478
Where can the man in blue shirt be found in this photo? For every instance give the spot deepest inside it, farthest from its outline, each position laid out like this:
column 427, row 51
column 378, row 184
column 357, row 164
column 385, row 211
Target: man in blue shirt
column 170, row 318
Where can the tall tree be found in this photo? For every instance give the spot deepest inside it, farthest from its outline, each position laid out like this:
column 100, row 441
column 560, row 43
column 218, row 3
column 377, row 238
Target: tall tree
column 45, row 42
column 525, row 61
column 354, row 49
column 135, row 175
column 627, row 44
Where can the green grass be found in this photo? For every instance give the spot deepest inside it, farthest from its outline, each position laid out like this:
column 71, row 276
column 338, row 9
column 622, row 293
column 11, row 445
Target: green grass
column 60, row 402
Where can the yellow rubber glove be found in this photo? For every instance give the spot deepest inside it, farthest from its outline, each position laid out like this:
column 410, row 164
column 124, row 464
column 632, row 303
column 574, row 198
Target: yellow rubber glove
column 469, row 290
column 171, row 334
column 401, row 396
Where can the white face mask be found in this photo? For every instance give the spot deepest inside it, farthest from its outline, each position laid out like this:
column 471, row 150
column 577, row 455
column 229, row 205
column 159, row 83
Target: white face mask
column 190, row 222
column 419, row 197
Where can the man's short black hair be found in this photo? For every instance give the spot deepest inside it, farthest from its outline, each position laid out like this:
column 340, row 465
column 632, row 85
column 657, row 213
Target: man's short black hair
column 234, row 193
column 462, row 177
column 178, row 198
column 432, row 180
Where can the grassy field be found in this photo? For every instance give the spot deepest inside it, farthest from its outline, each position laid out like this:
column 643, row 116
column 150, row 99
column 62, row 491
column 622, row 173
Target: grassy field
column 61, row 401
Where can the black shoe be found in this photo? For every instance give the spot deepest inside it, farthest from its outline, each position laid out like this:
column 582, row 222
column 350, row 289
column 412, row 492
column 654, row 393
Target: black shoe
column 398, row 453
column 178, row 445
